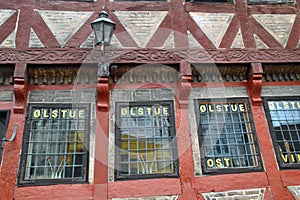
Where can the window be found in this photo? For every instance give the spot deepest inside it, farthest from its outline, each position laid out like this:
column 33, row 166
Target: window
column 140, row 0
column 212, row 1
column 271, row 1
column 227, row 136
column 55, row 144
column 76, row 0
column 145, row 140
column 284, row 123
column 4, row 116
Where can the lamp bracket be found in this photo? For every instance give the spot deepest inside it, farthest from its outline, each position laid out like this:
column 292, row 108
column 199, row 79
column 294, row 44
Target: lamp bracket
column 12, row 138
column 103, row 70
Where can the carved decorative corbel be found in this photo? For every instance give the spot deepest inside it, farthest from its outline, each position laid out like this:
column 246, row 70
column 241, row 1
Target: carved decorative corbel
column 103, row 94
column 255, row 83
column 20, row 88
column 184, row 84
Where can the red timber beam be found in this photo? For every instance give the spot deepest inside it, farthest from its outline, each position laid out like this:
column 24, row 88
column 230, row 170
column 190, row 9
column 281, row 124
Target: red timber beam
column 148, row 55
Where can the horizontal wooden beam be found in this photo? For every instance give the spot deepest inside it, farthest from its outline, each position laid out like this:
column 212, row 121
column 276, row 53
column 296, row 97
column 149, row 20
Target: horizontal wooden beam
column 148, row 55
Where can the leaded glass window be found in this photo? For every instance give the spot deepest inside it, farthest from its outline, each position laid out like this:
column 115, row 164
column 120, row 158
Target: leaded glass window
column 139, row 0
column 284, row 124
column 145, row 140
column 271, row 1
column 212, row 1
column 4, row 116
column 227, row 136
column 55, row 144
column 77, row 0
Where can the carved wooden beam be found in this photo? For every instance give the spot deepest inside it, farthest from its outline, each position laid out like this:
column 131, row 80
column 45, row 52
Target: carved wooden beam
column 103, row 94
column 148, row 55
column 20, row 88
column 255, row 83
column 184, row 84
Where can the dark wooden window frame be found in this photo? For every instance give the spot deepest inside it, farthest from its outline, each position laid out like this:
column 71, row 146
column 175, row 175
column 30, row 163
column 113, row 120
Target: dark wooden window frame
column 3, row 136
column 85, row 160
column 229, row 170
column 76, row 0
column 276, row 146
column 265, row 2
column 140, row 0
column 211, row 1
column 171, row 117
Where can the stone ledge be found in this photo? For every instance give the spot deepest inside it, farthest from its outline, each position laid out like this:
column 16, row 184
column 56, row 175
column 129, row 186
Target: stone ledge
column 249, row 194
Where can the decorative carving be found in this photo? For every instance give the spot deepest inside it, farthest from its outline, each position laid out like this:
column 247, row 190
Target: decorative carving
column 146, row 73
column 234, row 56
column 218, row 73
column 43, row 55
column 62, row 75
column 103, row 94
column 281, row 72
column 255, row 83
column 20, row 93
column 148, row 55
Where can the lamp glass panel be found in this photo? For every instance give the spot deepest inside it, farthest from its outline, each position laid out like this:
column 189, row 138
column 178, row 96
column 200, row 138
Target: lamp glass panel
column 98, row 28
column 108, row 32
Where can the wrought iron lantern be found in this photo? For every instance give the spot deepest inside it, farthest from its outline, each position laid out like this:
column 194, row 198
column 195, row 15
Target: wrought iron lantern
column 103, row 28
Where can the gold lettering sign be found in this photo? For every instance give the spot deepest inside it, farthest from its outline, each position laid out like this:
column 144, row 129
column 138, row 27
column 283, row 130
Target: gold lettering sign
column 283, row 105
column 55, row 113
column 222, row 107
column 218, row 162
column 291, row 158
column 142, row 111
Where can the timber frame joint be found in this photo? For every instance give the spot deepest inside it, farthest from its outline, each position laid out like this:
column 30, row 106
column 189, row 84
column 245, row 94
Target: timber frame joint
column 103, row 94
column 184, row 84
column 254, row 77
column 20, row 88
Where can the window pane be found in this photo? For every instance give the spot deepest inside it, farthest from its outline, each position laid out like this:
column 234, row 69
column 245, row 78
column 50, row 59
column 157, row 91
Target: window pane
column 56, row 143
column 226, row 135
column 145, row 140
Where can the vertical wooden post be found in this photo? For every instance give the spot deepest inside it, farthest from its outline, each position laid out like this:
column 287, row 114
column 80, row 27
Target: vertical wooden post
column 101, row 140
column 183, row 132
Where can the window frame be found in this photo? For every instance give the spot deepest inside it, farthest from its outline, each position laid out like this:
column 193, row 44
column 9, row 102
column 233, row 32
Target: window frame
column 275, row 144
column 25, row 144
column 75, row 0
column 212, row 1
column 5, row 130
column 175, row 174
column 230, row 170
column 264, row 2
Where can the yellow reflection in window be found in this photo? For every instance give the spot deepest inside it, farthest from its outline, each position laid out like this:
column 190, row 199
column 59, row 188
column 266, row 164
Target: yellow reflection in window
column 76, row 141
column 147, row 156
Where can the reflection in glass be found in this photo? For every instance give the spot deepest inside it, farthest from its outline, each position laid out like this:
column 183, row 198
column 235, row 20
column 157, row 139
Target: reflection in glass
column 56, row 145
column 145, row 140
column 285, row 117
column 227, row 135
